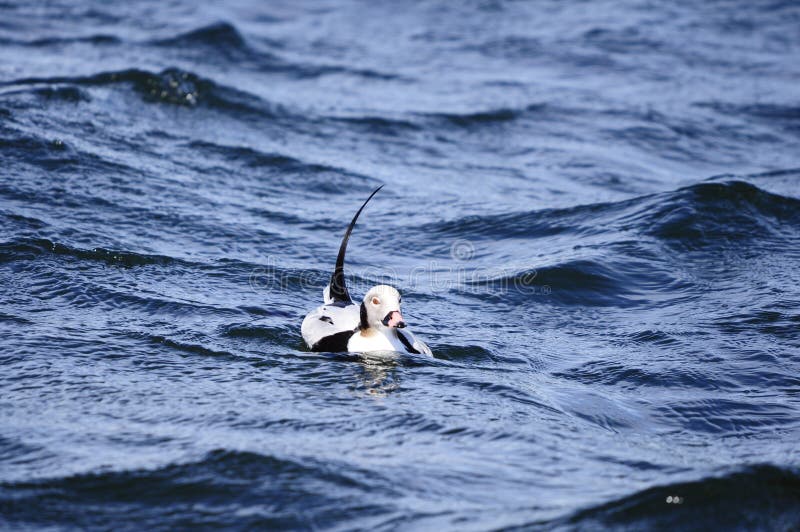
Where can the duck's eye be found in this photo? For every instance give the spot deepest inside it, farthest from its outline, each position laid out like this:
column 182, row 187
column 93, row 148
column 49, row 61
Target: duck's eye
column 376, row 301
column 400, row 300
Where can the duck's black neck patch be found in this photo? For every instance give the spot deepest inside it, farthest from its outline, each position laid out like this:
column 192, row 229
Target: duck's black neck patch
column 364, row 325
column 407, row 344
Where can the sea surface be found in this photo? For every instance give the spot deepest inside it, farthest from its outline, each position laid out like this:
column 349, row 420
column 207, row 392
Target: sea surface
column 592, row 210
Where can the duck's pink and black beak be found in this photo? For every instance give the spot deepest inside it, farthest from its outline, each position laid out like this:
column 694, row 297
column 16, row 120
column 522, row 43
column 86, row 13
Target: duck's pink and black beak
column 394, row 319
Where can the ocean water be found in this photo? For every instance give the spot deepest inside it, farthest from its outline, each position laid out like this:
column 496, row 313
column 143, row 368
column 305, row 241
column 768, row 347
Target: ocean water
column 592, row 210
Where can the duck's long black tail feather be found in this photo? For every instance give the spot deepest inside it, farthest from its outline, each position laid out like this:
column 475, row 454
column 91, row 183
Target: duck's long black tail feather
column 338, row 289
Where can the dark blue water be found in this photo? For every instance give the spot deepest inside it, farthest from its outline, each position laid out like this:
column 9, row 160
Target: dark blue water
column 592, row 211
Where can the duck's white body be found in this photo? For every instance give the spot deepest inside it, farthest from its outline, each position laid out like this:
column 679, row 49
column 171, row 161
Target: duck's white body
column 374, row 325
column 389, row 340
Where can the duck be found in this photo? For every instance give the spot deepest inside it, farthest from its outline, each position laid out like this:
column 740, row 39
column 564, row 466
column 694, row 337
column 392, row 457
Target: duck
column 376, row 324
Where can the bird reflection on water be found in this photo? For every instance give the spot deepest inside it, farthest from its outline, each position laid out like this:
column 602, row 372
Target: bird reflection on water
column 378, row 373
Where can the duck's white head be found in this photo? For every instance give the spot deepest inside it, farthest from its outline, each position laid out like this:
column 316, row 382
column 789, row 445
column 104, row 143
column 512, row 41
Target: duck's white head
column 381, row 308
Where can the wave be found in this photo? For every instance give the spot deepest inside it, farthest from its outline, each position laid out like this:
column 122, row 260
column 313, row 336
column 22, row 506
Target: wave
column 172, row 86
column 220, row 42
column 223, row 44
column 630, row 267
column 615, row 373
column 252, row 158
column 621, row 41
column 279, row 173
column 269, row 492
column 423, row 121
column 700, row 214
column 8, row 318
column 191, row 348
column 220, row 34
column 622, row 282
column 26, row 222
column 26, row 249
column 286, row 336
column 764, row 111
column 712, row 214
column 463, row 353
column 179, row 87
column 479, row 118
column 531, row 224
column 582, row 278
column 759, row 497
column 98, row 40
column 54, row 154
column 779, row 320
column 227, row 45
column 380, row 125
column 511, row 47
column 65, row 94
column 47, row 153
